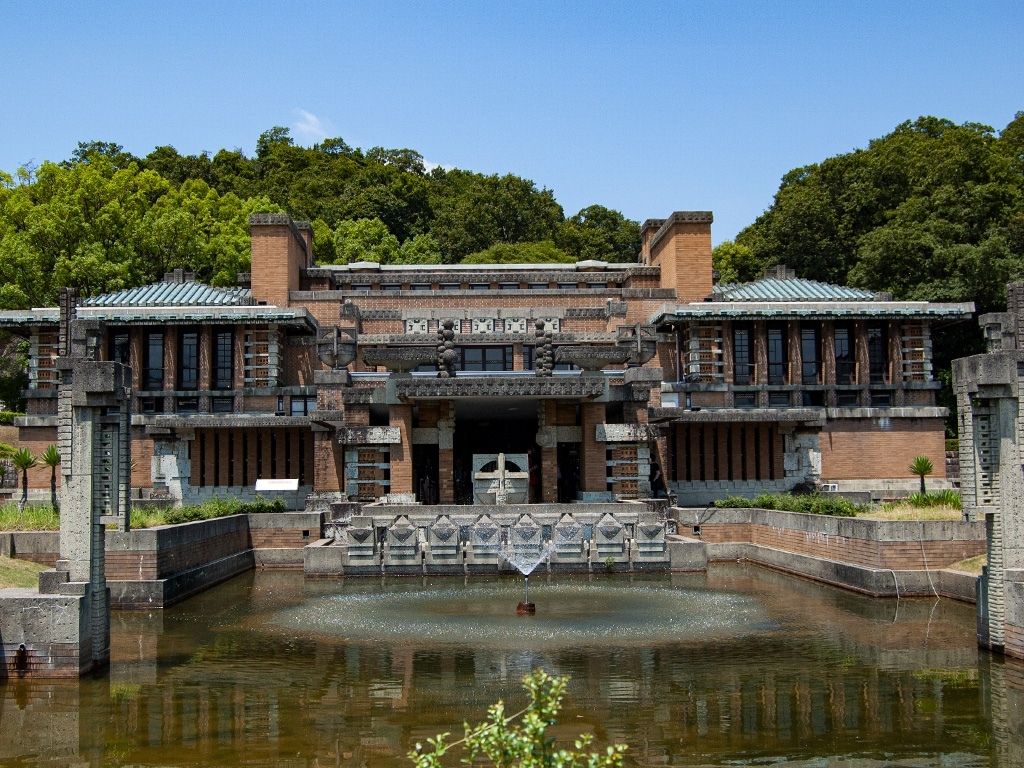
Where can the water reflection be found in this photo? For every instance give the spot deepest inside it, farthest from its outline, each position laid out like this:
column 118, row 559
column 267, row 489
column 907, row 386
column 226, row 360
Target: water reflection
column 244, row 675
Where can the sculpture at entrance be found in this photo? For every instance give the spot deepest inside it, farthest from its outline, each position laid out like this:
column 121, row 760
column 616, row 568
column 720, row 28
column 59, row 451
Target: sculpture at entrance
column 501, row 479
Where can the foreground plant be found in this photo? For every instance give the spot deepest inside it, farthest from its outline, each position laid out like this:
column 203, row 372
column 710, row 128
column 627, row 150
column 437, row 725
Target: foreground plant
column 507, row 744
column 51, row 458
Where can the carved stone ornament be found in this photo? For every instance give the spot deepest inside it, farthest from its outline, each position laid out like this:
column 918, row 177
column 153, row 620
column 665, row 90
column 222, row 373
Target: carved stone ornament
column 399, row 358
column 567, row 387
column 591, row 358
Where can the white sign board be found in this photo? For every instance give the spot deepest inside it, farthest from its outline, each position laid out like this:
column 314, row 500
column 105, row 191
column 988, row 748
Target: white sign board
column 277, row 485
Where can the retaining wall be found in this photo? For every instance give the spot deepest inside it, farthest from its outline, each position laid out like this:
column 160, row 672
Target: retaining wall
column 873, row 556
column 157, row 567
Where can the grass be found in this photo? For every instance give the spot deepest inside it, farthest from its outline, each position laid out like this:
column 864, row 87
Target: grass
column 971, row 565
column 33, row 518
column 19, row 573
column 906, row 512
column 43, row 517
column 811, row 503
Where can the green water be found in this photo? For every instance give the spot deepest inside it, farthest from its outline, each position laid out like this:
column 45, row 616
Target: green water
column 739, row 666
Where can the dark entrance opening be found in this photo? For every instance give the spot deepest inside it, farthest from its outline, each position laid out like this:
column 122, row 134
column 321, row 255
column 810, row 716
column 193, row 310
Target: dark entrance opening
column 493, row 427
column 424, row 473
column 568, row 471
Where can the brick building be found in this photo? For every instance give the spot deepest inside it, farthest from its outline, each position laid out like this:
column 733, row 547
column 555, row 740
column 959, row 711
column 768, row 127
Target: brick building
column 407, row 381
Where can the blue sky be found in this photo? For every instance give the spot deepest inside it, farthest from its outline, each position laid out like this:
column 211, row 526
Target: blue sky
column 643, row 107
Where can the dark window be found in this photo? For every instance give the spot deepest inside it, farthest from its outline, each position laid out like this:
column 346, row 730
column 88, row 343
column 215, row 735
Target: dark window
column 814, row 399
column 742, row 355
column 419, row 287
column 222, row 372
column 810, row 354
column 845, row 356
column 448, row 287
column 485, row 358
column 117, row 348
column 222, row 404
column 153, row 373
column 509, row 286
column 479, row 286
column 878, row 352
column 539, row 286
column 881, row 399
column 568, row 286
column 847, row 399
column 390, row 287
column 188, row 358
column 187, row 405
column 778, row 400
column 744, row 399
column 151, row 404
column 776, row 354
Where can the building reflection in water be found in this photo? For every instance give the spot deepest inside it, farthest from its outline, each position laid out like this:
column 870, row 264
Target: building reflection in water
column 837, row 675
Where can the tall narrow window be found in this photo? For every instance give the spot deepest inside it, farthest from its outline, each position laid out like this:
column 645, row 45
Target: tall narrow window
column 845, row 357
column 810, row 354
column 153, row 373
column 188, row 359
column 742, row 355
column 117, row 347
column 223, row 369
column 878, row 353
column 776, row 354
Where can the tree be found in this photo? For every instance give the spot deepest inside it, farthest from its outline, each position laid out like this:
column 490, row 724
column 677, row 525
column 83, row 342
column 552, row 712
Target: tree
column 422, row 249
column 921, row 466
column 23, row 461
column 506, row 744
column 543, row 252
column 734, row 263
column 51, row 458
column 600, row 233
column 365, row 240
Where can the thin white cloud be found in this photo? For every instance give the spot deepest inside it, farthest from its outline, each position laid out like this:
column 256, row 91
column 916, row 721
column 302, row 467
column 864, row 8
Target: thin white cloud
column 310, row 128
column 429, row 166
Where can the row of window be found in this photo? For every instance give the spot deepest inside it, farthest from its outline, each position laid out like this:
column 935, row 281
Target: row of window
column 222, row 362
column 810, row 353
column 390, row 287
column 493, row 358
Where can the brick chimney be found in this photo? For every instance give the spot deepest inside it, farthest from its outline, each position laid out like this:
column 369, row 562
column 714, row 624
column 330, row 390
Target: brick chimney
column 681, row 246
column 281, row 250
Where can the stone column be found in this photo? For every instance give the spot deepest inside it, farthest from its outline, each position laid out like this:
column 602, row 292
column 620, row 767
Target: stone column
column 594, row 470
column 828, row 361
column 547, row 439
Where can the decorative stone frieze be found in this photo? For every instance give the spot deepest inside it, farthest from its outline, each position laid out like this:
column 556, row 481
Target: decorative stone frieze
column 500, row 386
column 417, row 325
column 369, row 436
column 399, row 358
column 590, row 357
column 626, row 433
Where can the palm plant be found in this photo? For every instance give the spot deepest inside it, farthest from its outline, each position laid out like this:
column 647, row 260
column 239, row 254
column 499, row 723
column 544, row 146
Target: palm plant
column 51, row 458
column 23, row 461
column 921, row 466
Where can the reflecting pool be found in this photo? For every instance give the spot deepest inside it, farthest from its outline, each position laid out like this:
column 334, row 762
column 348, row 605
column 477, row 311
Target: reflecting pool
column 738, row 666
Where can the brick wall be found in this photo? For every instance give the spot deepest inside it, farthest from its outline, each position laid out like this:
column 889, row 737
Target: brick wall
column 854, row 449
column 871, row 544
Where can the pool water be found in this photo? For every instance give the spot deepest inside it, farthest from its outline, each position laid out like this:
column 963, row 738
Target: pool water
column 739, row 666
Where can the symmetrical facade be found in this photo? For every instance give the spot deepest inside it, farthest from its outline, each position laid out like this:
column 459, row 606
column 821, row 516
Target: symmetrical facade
column 452, row 383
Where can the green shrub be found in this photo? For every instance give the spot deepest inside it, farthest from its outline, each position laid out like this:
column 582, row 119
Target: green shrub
column 811, row 503
column 7, row 417
column 208, row 510
column 947, row 497
column 952, row 444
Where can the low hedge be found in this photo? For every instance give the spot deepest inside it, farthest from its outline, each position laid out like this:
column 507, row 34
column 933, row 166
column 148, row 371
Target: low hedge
column 811, row 503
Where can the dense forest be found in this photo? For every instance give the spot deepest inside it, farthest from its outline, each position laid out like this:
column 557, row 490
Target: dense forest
column 933, row 210
column 105, row 219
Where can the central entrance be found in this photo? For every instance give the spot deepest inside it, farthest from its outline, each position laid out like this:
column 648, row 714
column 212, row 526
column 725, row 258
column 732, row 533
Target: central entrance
column 490, row 427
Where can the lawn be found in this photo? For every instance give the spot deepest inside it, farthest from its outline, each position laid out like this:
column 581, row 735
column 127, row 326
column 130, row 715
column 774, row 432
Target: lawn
column 19, row 573
column 904, row 512
column 971, row 565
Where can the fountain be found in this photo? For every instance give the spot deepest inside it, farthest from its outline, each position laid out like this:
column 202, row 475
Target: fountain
column 525, row 557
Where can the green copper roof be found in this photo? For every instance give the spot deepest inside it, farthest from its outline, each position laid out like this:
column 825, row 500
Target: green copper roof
column 788, row 289
column 186, row 294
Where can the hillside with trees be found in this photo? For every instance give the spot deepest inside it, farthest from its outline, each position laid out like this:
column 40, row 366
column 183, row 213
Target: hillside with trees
column 931, row 211
column 104, row 219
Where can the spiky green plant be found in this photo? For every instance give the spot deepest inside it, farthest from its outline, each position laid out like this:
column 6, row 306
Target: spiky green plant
column 921, row 466
column 51, row 458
